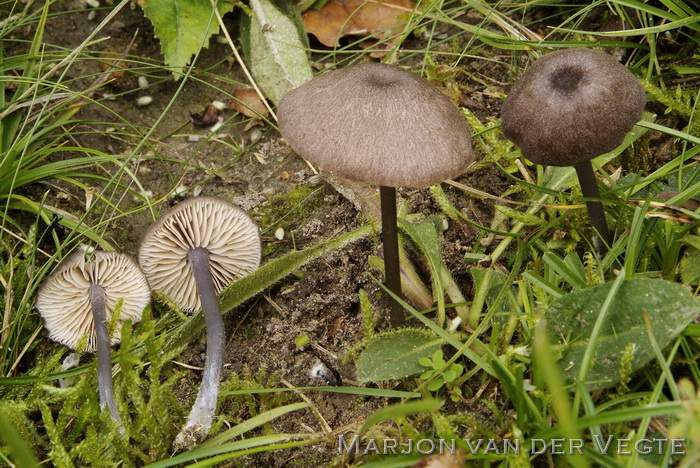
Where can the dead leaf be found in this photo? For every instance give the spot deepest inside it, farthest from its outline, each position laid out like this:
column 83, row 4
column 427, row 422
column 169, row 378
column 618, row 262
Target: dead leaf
column 443, row 460
column 380, row 19
column 210, row 116
column 247, row 102
column 113, row 62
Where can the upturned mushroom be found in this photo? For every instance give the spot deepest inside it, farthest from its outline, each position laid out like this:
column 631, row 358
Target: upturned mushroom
column 567, row 108
column 192, row 252
column 78, row 300
column 381, row 125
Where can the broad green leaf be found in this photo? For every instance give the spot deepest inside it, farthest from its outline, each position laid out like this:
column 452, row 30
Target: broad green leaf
column 569, row 322
column 394, row 354
column 183, row 26
column 273, row 45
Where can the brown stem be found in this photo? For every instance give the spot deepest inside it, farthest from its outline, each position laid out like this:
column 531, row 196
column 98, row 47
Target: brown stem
column 390, row 239
column 589, row 187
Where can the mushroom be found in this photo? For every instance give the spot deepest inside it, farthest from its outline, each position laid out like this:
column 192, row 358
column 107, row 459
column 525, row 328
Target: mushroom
column 192, row 252
column 569, row 107
column 77, row 302
column 381, row 125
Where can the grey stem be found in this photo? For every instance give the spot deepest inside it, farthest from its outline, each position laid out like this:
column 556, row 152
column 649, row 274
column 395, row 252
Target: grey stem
column 202, row 413
column 390, row 239
column 96, row 294
column 589, row 187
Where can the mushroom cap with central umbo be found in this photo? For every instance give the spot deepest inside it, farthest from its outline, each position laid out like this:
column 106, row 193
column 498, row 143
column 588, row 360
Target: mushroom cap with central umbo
column 572, row 105
column 227, row 232
column 64, row 304
column 378, row 124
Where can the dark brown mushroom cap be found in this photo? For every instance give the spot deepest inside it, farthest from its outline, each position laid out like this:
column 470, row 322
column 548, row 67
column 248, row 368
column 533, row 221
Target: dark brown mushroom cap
column 64, row 304
column 572, row 105
column 227, row 232
column 378, row 124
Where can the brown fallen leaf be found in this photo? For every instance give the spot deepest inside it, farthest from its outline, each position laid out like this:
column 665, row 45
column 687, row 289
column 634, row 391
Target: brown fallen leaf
column 208, row 117
column 443, row 460
column 247, row 102
column 379, row 19
column 113, row 63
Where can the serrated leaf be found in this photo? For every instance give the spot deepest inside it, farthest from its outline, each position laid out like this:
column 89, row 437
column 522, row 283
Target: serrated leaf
column 395, row 354
column 569, row 322
column 277, row 56
column 183, row 26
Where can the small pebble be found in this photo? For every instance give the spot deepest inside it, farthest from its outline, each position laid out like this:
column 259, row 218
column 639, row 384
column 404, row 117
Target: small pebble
column 144, row 101
column 279, row 234
column 215, row 128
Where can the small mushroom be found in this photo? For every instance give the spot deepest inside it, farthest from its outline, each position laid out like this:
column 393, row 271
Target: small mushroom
column 569, row 107
column 192, row 252
column 77, row 302
column 382, row 125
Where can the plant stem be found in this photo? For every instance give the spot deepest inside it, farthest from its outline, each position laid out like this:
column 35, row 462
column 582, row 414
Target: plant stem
column 202, row 413
column 589, row 187
column 104, row 361
column 390, row 239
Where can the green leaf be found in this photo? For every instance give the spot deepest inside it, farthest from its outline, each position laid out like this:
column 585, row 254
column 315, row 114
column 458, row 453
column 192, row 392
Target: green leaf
column 394, row 354
column 183, row 27
column 690, row 266
column 569, row 322
column 273, row 45
column 528, row 219
column 424, row 361
column 425, row 236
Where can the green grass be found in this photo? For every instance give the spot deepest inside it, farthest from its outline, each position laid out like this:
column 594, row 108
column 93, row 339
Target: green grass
column 535, row 250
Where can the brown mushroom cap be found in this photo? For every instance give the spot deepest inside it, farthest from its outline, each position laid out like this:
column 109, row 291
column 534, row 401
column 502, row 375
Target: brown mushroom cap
column 64, row 304
column 378, row 124
column 572, row 105
column 225, row 230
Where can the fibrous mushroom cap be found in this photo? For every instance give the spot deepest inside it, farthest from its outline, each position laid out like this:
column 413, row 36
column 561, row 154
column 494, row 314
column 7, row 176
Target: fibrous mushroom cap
column 228, row 233
column 378, row 124
column 64, row 304
column 572, row 105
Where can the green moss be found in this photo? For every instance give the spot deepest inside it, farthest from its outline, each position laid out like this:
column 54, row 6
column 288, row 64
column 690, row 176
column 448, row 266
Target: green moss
column 288, row 211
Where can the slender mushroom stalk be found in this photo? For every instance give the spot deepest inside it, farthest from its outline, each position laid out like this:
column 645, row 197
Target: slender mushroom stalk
column 589, row 188
column 381, row 125
column 79, row 299
column 569, row 107
column 390, row 239
column 192, row 252
column 204, row 406
column 104, row 361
